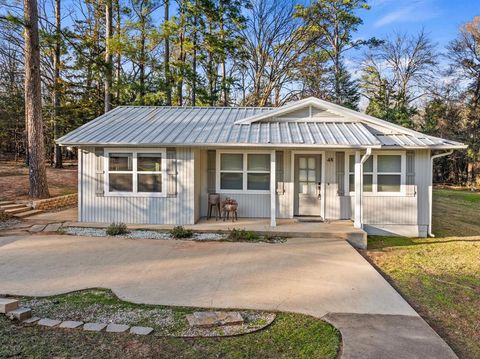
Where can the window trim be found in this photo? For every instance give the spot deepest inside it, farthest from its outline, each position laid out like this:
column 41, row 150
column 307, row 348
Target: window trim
column 375, row 173
column 135, row 172
column 244, row 171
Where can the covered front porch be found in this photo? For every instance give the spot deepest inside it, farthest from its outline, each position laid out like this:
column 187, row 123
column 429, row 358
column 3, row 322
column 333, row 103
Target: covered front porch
column 281, row 185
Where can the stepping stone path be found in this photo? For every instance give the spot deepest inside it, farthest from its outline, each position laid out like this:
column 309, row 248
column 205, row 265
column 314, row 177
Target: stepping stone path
column 31, row 320
column 10, row 307
column 214, row 319
column 37, row 228
column 70, row 324
column 117, row 328
column 52, row 227
column 46, row 322
column 141, row 330
column 94, row 327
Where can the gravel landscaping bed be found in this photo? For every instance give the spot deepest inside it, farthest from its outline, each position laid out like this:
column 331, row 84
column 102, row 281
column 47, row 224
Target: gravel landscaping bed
column 100, row 313
column 9, row 223
column 149, row 234
column 101, row 306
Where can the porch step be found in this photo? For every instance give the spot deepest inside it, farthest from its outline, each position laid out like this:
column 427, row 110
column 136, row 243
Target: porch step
column 28, row 213
column 18, row 210
column 3, row 203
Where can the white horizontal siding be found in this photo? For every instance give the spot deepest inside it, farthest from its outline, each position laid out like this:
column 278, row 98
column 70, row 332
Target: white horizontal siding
column 139, row 210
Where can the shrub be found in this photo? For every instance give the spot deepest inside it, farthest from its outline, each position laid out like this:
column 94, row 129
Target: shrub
column 116, row 229
column 181, row 232
column 242, row 235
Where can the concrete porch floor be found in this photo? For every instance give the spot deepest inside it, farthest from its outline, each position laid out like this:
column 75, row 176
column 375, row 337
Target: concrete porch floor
column 285, row 227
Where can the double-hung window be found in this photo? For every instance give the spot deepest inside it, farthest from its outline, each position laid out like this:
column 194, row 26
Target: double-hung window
column 383, row 173
column 135, row 172
column 240, row 172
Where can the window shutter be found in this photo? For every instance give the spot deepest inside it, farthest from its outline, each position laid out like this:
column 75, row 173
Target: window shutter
column 410, row 174
column 279, row 173
column 340, row 172
column 99, row 172
column 171, row 172
column 211, row 175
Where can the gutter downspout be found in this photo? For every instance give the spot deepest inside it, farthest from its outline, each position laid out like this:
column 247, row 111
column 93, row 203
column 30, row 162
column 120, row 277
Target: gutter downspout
column 362, row 161
column 430, row 190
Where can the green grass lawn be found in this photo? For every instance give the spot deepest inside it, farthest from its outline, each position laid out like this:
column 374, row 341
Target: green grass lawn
column 289, row 336
column 440, row 277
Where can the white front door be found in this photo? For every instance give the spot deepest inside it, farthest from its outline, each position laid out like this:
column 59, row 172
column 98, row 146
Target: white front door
column 308, row 185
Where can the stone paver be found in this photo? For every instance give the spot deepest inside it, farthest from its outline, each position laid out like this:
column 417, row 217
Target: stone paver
column 21, row 313
column 70, row 324
column 213, row 319
column 8, row 304
column 46, row 322
column 37, row 228
column 52, row 227
column 94, row 327
column 117, row 328
column 31, row 320
column 141, row 330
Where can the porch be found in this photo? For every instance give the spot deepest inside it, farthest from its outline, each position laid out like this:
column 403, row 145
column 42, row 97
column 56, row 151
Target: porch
column 293, row 228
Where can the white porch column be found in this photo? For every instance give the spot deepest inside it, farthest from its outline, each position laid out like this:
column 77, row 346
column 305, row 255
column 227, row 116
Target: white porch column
column 358, row 191
column 273, row 190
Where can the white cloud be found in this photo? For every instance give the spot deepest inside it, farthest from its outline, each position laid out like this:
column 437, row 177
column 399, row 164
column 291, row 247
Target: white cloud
column 411, row 12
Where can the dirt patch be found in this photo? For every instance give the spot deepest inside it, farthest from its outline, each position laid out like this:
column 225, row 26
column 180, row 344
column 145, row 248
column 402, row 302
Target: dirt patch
column 14, row 180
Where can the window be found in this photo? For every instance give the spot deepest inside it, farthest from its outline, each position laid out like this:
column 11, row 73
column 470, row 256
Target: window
column 258, row 172
column 367, row 174
column 382, row 173
column 135, row 173
column 389, row 173
column 244, row 171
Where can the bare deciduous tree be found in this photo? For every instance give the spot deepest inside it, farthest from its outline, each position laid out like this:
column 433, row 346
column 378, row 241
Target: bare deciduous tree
column 274, row 43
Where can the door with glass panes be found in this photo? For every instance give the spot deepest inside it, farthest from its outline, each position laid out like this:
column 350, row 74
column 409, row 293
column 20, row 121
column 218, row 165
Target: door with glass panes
column 308, row 185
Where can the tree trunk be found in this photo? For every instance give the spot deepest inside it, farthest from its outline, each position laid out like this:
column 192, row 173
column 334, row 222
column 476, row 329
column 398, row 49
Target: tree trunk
column 33, row 103
column 223, row 65
column 194, row 64
column 118, row 70
column 57, row 151
column 108, row 55
column 168, row 87
column 142, row 61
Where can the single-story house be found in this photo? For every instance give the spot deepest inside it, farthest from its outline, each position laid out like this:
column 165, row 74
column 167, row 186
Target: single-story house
column 157, row 165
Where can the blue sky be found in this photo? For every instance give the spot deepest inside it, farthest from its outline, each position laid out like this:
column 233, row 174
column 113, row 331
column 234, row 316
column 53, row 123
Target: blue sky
column 440, row 18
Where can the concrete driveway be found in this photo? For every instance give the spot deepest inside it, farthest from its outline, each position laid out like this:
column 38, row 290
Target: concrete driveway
column 312, row 276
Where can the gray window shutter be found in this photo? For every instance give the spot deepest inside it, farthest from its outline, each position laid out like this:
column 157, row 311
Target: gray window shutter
column 340, row 172
column 410, row 174
column 211, row 175
column 171, row 172
column 279, row 173
column 99, row 172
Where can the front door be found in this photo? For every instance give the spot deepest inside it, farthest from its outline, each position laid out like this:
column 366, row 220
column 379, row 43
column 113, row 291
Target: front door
column 308, row 185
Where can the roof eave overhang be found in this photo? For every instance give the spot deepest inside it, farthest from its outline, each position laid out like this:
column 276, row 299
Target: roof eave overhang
column 269, row 145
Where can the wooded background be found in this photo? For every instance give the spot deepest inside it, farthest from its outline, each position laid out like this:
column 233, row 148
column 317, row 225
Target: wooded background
column 95, row 55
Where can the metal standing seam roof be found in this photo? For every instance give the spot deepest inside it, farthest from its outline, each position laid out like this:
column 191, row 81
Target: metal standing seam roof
column 203, row 126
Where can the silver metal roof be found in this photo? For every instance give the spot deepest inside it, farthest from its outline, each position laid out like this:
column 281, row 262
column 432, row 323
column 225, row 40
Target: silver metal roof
column 204, row 126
